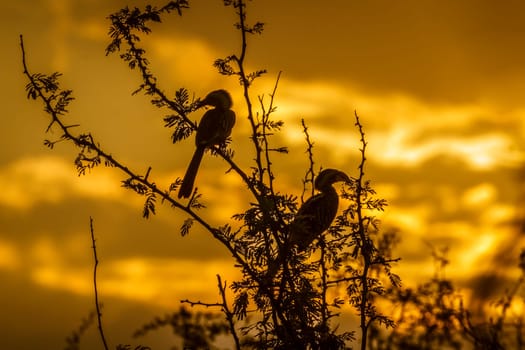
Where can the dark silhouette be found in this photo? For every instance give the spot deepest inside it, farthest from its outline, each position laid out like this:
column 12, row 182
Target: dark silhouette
column 298, row 306
column 215, row 127
column 318, row 212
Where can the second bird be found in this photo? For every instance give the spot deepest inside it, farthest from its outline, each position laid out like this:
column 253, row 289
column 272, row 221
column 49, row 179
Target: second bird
column 316, row 214
column 215, row 127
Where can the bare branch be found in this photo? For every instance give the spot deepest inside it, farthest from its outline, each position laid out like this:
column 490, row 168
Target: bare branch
column 227, row 312
column 98, row 306
column 310, row 173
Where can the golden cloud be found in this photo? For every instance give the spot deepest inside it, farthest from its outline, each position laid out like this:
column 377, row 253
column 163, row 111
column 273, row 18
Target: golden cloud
column 28, row 181
column 163, row 282
column 10, row 258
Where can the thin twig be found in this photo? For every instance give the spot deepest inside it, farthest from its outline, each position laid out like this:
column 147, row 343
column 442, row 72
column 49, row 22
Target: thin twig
column 266, row 118
column 325, row 313
column 200, row 303
column 341, row 280
column 258, row 153
column 310, row 174
column 246, row 85
column 98, row 306
column 365, row 250
column 227, row 312
column 165, row 195
column 264, row 137
column 153, row 89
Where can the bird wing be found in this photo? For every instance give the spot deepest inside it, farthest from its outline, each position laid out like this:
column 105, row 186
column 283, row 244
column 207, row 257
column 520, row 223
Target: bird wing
column 227, row 123
column 215, row 126
column 319, row 211
column 313, row 218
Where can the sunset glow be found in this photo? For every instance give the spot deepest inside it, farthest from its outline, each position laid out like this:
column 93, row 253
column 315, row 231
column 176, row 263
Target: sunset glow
column 438, row 89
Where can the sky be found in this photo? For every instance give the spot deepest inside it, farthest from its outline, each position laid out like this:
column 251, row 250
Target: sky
column 438, row 87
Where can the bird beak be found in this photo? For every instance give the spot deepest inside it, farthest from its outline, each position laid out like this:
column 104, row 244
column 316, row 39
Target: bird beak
column 201, row 103
column 343, row 177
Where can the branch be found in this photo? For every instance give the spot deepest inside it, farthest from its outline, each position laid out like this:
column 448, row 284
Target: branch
column 325, row 313
column 341, row 280
column 265, row 121
column 310, row 174
column 200, row 303
column 135, row 57
column 227, row 312
column 264, row 140
column 365, row 249
column 97, row 305
column 86, row 141
column 246, row 84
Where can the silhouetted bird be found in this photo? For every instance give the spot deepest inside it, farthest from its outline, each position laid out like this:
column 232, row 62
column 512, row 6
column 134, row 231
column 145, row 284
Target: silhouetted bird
column 317, row 213
column 215, row 127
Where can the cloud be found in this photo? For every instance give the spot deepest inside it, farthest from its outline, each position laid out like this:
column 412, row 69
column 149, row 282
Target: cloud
column 400, row 130
column 32, row 180
column 161, row 282
column 185, row 60
column 479, row 195
column 439, row 51
column 92, row 29
column 412, row 221
column 485, row 151
column 67, row 265
column 10, row 258
column 61, row 24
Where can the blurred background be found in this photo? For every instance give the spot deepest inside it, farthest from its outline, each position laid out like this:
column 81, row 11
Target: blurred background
column 438, row 86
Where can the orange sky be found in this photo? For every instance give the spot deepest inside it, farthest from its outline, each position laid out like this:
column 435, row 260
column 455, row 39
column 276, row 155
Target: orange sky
column 437, row 84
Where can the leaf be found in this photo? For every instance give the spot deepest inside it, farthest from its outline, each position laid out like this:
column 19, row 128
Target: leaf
column 254, row 75
column 182, row 131
column 240, row 305
column 149, row 205
column 194, row 202
column 49, row 144
column 224, row 67
column 186, row 226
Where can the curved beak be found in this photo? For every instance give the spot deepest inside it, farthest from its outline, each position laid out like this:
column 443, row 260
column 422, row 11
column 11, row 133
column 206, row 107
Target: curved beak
column 201, row 103
column 340, row 176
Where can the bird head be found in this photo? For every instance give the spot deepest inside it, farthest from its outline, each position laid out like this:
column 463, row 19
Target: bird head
column 327, row 177
column 220, row 99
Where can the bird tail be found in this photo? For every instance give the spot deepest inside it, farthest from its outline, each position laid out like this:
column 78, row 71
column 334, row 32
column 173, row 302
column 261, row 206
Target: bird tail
column 189, row 178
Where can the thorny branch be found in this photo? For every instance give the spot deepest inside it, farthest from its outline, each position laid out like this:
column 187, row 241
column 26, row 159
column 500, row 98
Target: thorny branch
column 294, row 312
column 227, row 312
column 98, row 306
column 88, row 143
column 365, row 251
column 150, row 85
column 245, row 82
column 141, row 184
column 310, row 173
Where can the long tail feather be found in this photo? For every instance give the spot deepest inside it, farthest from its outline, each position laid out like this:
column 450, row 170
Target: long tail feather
column 189, row 178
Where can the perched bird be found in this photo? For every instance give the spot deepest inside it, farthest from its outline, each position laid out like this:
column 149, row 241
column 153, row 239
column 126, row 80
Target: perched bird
column 317, row 213
column 215, row 127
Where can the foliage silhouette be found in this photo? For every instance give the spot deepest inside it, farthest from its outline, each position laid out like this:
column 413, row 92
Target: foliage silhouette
column 287, row 298
column 73, row 340
column 291, row 305
column 197, row 330
column 433, row 316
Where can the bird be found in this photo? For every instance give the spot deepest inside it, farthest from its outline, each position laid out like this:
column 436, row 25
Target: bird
column 215, row 127
column 316, row 214
column 313, row 217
